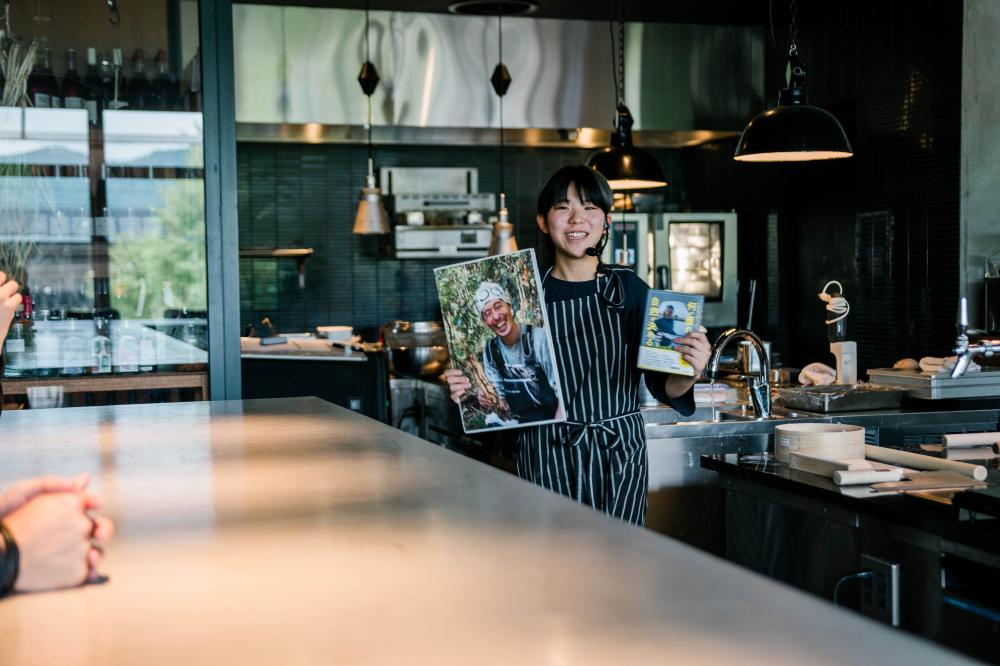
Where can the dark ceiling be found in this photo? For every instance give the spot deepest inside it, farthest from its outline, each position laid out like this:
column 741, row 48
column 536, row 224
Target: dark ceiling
column 708, row 12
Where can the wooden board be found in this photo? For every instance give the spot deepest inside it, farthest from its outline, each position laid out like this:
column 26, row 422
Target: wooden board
column 826, row 466
column 938, row 480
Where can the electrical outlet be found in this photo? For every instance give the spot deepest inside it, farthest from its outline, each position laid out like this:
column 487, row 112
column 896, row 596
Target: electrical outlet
column 354, row 403
column 880, row 593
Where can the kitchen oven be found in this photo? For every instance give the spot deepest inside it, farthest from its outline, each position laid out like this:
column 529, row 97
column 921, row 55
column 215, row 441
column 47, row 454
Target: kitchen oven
column 694, row 253
column 438, row 212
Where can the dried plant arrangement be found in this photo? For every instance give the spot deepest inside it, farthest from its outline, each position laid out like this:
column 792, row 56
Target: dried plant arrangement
column 17, row 58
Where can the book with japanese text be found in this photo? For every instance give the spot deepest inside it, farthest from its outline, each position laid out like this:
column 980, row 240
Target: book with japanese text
column 668, row 315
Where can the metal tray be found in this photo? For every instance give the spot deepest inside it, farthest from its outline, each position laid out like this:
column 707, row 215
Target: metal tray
column 929, row 386
column 840, row 398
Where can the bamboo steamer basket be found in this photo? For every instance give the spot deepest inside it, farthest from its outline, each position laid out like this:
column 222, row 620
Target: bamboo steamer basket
column 835, row 441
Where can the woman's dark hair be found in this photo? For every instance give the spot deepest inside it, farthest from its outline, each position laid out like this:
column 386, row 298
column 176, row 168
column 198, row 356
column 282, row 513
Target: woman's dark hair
column 591, row 185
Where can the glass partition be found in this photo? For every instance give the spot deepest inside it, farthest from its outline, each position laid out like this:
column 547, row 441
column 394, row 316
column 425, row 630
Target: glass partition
column 102, row 212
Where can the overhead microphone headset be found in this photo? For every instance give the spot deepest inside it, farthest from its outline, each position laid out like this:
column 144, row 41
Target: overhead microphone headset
column 598, row 249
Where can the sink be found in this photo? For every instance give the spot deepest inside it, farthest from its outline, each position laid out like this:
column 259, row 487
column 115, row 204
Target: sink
column 746, row 413
column 664, row 415
column 723, row 413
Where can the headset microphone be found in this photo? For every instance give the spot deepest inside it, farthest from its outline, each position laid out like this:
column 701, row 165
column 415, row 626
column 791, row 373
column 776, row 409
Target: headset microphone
column 598, row 249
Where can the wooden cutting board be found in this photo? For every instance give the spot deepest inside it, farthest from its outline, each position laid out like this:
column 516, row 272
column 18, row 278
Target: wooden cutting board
column 938, row 480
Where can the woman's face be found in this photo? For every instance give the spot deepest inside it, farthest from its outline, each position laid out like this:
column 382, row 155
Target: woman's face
column 573, row 224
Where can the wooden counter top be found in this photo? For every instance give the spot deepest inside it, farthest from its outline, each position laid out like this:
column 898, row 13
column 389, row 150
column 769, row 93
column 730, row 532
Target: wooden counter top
column 293, row 531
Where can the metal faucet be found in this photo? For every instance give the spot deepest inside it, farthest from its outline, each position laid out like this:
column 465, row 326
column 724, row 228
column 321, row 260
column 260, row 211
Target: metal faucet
column 759, row 386
column 963, row 350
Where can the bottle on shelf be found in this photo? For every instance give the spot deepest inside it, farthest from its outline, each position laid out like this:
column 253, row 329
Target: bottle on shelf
column 101, row 344
column 43, row 89
column 192, row 97
column 48, row 359
column 100, row 355
column 165, row 94
column 92, row 87
column 147, row 350
column 73, row 89
column 125, row 355
column 75, row 356
column 139, row 88
column 16, row 348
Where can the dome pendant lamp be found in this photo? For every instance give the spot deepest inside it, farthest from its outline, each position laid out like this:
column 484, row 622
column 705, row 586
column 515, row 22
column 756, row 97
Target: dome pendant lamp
column 626, row 167
column 371, row 217
column 793, row 131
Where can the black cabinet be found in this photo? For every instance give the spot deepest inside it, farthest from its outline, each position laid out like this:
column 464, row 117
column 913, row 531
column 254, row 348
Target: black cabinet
column 360, row 384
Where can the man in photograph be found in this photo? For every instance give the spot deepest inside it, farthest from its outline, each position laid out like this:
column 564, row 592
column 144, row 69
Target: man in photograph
column 666, row 326
column 517, row 361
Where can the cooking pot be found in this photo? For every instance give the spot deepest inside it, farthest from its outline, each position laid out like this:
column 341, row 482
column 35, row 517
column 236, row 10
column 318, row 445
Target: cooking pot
column 401, row 333
column 416, row 349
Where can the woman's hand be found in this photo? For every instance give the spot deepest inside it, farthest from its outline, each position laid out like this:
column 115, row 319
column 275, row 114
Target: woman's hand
column 458, row 384
column 60, row 544
column 694, row 349
column 9, row 300
column 21, row 492
column 53, row 536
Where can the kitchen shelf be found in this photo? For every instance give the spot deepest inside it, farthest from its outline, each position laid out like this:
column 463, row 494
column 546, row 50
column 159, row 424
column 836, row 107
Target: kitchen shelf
column 277, row 253
column 300, row 254
column 112, row 389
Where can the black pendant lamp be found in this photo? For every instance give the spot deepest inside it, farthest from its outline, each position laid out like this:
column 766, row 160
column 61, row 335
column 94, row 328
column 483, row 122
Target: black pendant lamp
column 371, row 217
column 793, row 131
column 626, row 166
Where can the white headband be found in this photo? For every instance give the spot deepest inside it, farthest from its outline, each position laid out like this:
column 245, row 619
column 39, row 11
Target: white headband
column 490, row 291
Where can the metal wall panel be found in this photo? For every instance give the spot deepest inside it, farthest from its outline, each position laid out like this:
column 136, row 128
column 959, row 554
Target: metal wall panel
column 435, row 70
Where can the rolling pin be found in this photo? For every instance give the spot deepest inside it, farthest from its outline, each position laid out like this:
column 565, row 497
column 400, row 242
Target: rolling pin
column 859, row 477
column 971, row 439
column 906, row 459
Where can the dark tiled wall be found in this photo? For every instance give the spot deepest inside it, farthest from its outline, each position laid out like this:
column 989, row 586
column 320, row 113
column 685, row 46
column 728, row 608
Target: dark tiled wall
column 885, row 222
column 306, row 196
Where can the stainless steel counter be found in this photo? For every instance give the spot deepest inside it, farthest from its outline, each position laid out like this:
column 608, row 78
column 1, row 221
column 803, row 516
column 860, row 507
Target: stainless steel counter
column 293, row 531
column 685, row 500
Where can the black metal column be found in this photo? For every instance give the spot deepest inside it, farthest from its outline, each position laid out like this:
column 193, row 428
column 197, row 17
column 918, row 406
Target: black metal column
column 221, row 230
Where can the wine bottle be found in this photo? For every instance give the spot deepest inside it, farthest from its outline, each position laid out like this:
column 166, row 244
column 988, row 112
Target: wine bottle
column 165, row 93
column 92, row 87
column 74, row 91
column 43, row 90
column 140, row 89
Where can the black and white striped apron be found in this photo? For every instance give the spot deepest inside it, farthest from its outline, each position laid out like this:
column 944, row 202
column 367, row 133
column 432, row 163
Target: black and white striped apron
column 598, row 457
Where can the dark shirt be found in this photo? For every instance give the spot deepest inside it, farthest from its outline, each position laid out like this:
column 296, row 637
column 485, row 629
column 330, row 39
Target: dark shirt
column 665, row 325
column 633, row 316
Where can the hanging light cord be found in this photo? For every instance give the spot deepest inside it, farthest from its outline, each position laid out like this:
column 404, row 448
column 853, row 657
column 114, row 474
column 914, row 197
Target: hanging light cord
column 369, row 125
column 838, row 305
column 618, row 54
column 500, row 45
column 793, row 27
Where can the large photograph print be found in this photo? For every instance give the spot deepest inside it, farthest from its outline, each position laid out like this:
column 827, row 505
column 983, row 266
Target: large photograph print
column 498, row 337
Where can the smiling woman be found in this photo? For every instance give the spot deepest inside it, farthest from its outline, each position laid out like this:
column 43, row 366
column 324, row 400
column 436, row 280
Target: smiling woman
column 598, row 456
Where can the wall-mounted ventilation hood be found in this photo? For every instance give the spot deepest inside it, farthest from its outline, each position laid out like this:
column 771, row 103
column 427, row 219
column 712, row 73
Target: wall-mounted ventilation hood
column 297, row 67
